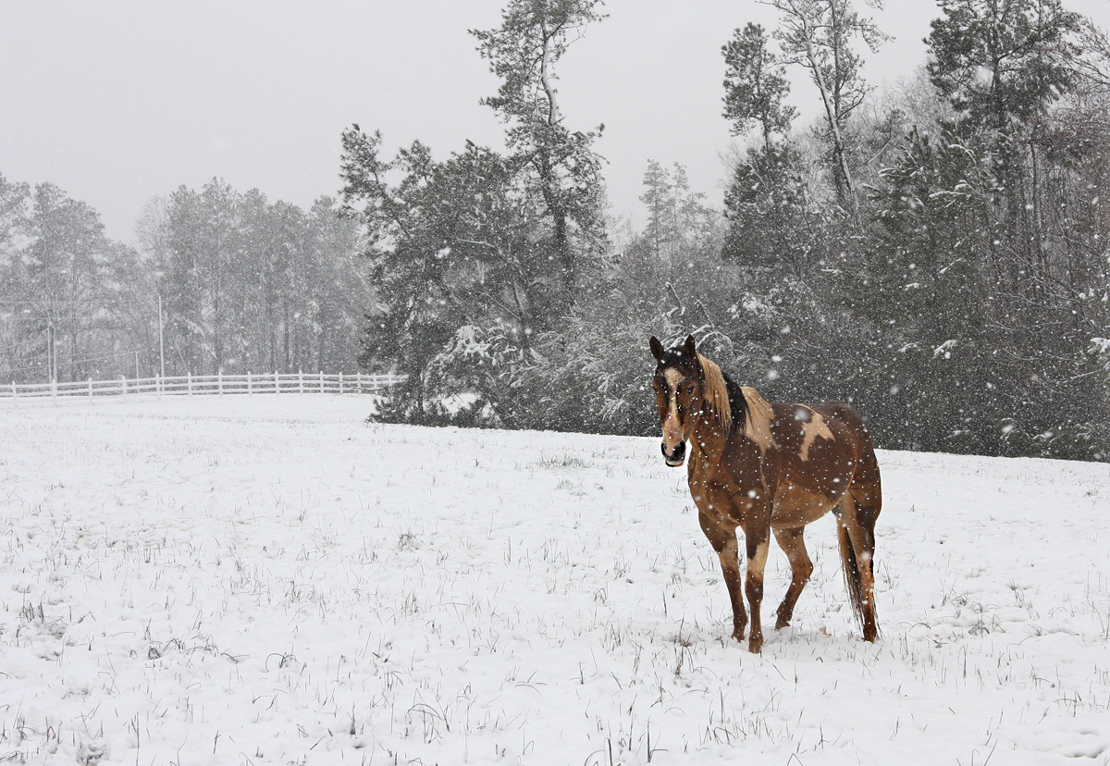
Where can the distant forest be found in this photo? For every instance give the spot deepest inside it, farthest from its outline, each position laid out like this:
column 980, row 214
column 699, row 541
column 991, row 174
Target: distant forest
column 936, row 254
column 235, row 283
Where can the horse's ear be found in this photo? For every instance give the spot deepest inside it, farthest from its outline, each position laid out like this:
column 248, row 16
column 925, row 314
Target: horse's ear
column 656, row 349
column 689, row 349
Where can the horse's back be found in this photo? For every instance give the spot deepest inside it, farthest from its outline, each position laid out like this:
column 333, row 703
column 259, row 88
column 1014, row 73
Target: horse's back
column 826, row 446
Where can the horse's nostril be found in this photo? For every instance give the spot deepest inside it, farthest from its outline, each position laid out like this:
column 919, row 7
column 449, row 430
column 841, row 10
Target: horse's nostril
column 678, row 454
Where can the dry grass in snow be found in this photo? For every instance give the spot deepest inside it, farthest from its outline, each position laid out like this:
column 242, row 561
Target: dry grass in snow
column 271, row 580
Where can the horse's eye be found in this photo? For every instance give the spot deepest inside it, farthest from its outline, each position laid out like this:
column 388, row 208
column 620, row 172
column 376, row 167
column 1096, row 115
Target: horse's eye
column 690, row 389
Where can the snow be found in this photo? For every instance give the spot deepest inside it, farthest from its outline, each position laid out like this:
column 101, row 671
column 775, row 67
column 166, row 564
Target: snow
column 268, row 579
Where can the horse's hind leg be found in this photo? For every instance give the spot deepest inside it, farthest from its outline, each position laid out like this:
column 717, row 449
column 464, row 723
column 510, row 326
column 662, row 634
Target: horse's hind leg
column 793, row 544
column 856, row 532
column 867, row 497
column 866, row 516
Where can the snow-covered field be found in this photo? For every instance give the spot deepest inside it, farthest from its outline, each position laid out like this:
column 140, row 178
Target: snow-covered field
column 271, row 580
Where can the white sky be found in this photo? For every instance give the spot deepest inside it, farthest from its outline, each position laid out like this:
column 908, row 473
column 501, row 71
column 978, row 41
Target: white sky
column 119, row 100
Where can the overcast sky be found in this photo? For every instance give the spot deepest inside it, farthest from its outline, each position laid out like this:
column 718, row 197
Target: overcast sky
column 117, row 101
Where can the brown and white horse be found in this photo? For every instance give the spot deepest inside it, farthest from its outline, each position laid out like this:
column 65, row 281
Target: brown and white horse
column 769, row 467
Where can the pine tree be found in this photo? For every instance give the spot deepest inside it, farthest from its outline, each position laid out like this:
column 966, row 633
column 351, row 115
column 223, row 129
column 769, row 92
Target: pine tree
column 562, row 170
column 338, row 306
column 1002, row 66
column 657, row 200
column 205, row 241
column 64, row 265
column 452, row 253
column 15, row 340
column 755, row 86
column 475, row 256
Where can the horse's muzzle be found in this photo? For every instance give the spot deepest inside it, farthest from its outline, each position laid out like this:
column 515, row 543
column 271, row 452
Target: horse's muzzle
column 676, row 459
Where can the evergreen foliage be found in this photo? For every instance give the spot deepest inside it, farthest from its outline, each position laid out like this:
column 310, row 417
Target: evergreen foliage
column 938, row 259
column 63, row 288
column 478, row 256
column 961, row 316
column 818, row 36
column 246, row 285
column 559, row 166
column 755, row 85
column 257, row 286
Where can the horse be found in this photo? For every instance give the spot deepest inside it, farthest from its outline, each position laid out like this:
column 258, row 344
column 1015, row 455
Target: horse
column 769, row 467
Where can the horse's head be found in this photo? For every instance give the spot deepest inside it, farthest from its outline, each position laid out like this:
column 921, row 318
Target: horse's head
column 678, row 383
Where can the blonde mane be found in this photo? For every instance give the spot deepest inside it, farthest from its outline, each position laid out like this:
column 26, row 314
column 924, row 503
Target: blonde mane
column 716, row 392
column 760, row 413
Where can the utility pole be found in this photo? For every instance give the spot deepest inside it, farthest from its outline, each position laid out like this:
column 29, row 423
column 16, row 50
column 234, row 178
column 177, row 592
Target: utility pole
column 51, row 354
column 161, row 344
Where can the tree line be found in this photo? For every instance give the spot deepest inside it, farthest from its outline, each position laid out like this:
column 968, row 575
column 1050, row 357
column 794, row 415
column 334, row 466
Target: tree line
column 935, row 254
column 954, row 281
column 220, row 281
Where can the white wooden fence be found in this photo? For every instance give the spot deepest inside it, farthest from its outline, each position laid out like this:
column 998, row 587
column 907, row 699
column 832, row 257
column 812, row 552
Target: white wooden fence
column 267, row 383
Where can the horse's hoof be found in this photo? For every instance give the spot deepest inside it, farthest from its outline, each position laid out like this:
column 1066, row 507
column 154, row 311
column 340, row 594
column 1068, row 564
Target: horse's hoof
column 781, row 623
column 754, row 646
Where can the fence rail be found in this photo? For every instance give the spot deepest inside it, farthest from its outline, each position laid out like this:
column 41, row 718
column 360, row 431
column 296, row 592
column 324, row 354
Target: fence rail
column 185, row 385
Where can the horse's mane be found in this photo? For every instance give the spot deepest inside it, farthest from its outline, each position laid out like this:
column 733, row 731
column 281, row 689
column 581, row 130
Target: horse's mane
column 717, row 393
column 728, row 400
column 757, row 426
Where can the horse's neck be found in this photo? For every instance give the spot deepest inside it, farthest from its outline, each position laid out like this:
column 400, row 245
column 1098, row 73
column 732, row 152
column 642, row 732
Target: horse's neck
column 709, row 437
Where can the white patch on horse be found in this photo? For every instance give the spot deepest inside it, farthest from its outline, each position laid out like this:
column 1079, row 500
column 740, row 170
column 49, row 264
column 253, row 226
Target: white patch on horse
column 672, row 426
column 759, row 560
column 813, row 425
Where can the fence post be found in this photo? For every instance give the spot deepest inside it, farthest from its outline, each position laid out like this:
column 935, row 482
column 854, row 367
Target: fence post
column 321, row 381
column 341, row 382
column 15, row 391
column 123, row 384
column 220, row 380
column 90, row 388
column 249, row 383
column 189, row 382
column 277, row 383
column 300, row 380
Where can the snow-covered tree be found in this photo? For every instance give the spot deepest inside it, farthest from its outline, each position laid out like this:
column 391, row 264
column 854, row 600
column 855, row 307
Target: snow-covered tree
column 560, row 168
column 755, row 86
column 819, row 35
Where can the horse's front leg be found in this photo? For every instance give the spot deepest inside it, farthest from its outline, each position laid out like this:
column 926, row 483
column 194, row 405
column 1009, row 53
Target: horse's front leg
column 757, row 538
column 723, row 540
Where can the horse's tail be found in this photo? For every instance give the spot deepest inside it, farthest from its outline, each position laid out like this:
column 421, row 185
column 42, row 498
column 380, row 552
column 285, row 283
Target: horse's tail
column 865, row 495
column 852, row 577
column 860, row 595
